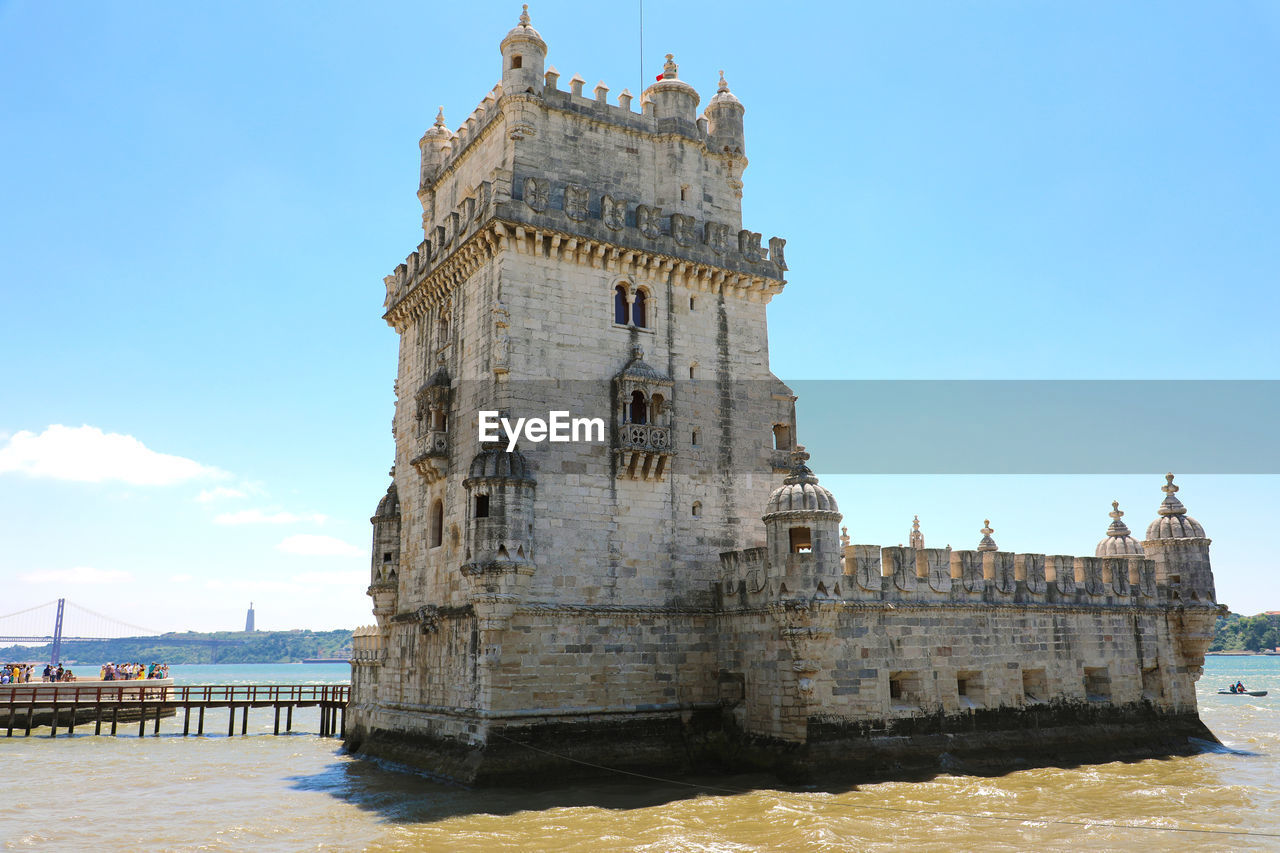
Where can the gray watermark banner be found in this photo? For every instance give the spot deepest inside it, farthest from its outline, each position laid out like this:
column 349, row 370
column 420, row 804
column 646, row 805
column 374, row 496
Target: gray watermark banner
column 907, row 426
column 1040, row 426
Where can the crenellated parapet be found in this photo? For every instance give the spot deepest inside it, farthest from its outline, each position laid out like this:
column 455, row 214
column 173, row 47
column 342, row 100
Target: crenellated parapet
column 900, row 575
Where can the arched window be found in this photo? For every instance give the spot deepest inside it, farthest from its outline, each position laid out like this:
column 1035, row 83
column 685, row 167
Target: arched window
column 442, row 329
column 437, row 523
column 656, row 406
column 692, row 370
column 639, row 316
column 639, row 413
column 620, row 307
column 781, row 437
column 697, row 509
column 438, row 420
column 801, row 540
column 517, row 61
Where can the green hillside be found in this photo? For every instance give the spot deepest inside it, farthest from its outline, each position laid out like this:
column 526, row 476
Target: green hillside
column 192, row 647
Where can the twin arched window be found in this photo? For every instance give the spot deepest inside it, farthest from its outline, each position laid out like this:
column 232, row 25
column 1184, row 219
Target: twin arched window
column 631, row 310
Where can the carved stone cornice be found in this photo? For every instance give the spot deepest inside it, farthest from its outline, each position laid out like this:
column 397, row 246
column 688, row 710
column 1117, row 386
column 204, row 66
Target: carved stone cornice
column 432, row 287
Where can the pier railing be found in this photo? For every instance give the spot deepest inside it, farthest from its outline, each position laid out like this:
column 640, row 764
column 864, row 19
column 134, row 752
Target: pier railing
column 140, row 691
column 55, row 705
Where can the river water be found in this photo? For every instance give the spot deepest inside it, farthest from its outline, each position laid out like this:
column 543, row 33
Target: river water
column 299, row 792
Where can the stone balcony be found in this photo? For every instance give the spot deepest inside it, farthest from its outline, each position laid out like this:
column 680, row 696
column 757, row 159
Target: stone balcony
column 644, row 452
column 432, row 461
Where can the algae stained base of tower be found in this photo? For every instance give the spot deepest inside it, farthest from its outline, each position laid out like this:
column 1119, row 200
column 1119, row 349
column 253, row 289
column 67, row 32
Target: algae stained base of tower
column 677, row 594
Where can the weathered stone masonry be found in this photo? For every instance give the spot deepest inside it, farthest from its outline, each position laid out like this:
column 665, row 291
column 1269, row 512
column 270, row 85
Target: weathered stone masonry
column 617, row 601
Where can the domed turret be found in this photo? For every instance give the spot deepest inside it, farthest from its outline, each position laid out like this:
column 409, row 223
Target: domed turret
column 802, row 529
column 1118, row 541
column 523, row 55
column 1173, row 521
column 987, row 543
column 384, row 569
column 1177, row 543
column 724, row 121
column 500, row 491
column 800, row 492
column 435, row 148
column 672, row 97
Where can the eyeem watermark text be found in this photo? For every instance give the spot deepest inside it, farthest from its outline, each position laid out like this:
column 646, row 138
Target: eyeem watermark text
column 558, row 427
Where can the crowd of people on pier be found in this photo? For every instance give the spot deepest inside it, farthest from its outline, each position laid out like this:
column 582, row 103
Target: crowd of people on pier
column 22, row 673
column 133, row 671
column 15, row 673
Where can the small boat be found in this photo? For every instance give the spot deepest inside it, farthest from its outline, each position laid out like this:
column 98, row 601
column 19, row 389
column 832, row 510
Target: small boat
column 1242, row 693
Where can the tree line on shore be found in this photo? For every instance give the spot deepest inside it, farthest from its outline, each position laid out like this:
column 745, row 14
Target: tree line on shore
column 196, row 647
column 1246, row 633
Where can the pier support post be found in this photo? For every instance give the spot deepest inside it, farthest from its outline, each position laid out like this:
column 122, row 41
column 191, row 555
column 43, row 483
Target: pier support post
column 288, row 719
column 342, row 726
column 231, row 722
column 115, row 718
column 186, row 720
column 12, row 708
column 142, row 720
column 244, row 721
column 31, row 712
column 200, row 724
column 97, row 719
column 53, row 724
column 277, row 728
column 155, row 730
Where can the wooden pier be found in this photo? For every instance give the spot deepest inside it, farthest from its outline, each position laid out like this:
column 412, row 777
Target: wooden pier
column 107, row 703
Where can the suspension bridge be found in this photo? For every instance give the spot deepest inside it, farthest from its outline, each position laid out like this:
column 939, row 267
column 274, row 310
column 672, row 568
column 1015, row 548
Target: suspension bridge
column 63, row 622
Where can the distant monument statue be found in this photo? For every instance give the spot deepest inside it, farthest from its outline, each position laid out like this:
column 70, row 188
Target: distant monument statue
column 248, row 619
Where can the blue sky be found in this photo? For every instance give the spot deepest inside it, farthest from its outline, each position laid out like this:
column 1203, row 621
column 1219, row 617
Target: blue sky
column 200, row 202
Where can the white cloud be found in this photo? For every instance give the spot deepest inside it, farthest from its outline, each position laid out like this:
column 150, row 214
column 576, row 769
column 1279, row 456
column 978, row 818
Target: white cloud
column 79, row 574
column 333, row 578
column 258, row 516
column 86, row 454
column 219, row 493
column 312, row 545
column 180, row 578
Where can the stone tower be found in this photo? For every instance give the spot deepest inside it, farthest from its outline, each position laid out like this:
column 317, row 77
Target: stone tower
column 672, row 589
column 579, row 255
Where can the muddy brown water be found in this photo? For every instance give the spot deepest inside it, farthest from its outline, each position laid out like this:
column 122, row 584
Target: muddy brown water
column 299, row 792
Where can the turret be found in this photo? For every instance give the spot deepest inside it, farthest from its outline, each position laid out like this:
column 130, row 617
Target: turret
column 917, row 538
column 524, row 54
column 802, row 531
column 435, row 148
column 671, row 97
column 724, row 122
column 1177, row 543
column 385, row 568
column 986, row 543
column 1118, row 541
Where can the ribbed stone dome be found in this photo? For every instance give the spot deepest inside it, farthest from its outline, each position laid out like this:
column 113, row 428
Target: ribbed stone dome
column 1118, row 542
column 495, row 463
column 389, row 506
column 523, row 31
column 638, row 368
column 723, row 95
column 1173, row 523
column 800, row 491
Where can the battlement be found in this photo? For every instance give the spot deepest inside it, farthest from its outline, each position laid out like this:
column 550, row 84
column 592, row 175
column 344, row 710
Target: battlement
column 900, row 575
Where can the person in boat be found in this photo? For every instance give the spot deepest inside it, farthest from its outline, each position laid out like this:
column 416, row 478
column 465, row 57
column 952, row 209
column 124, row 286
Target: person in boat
column 1240, row 687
